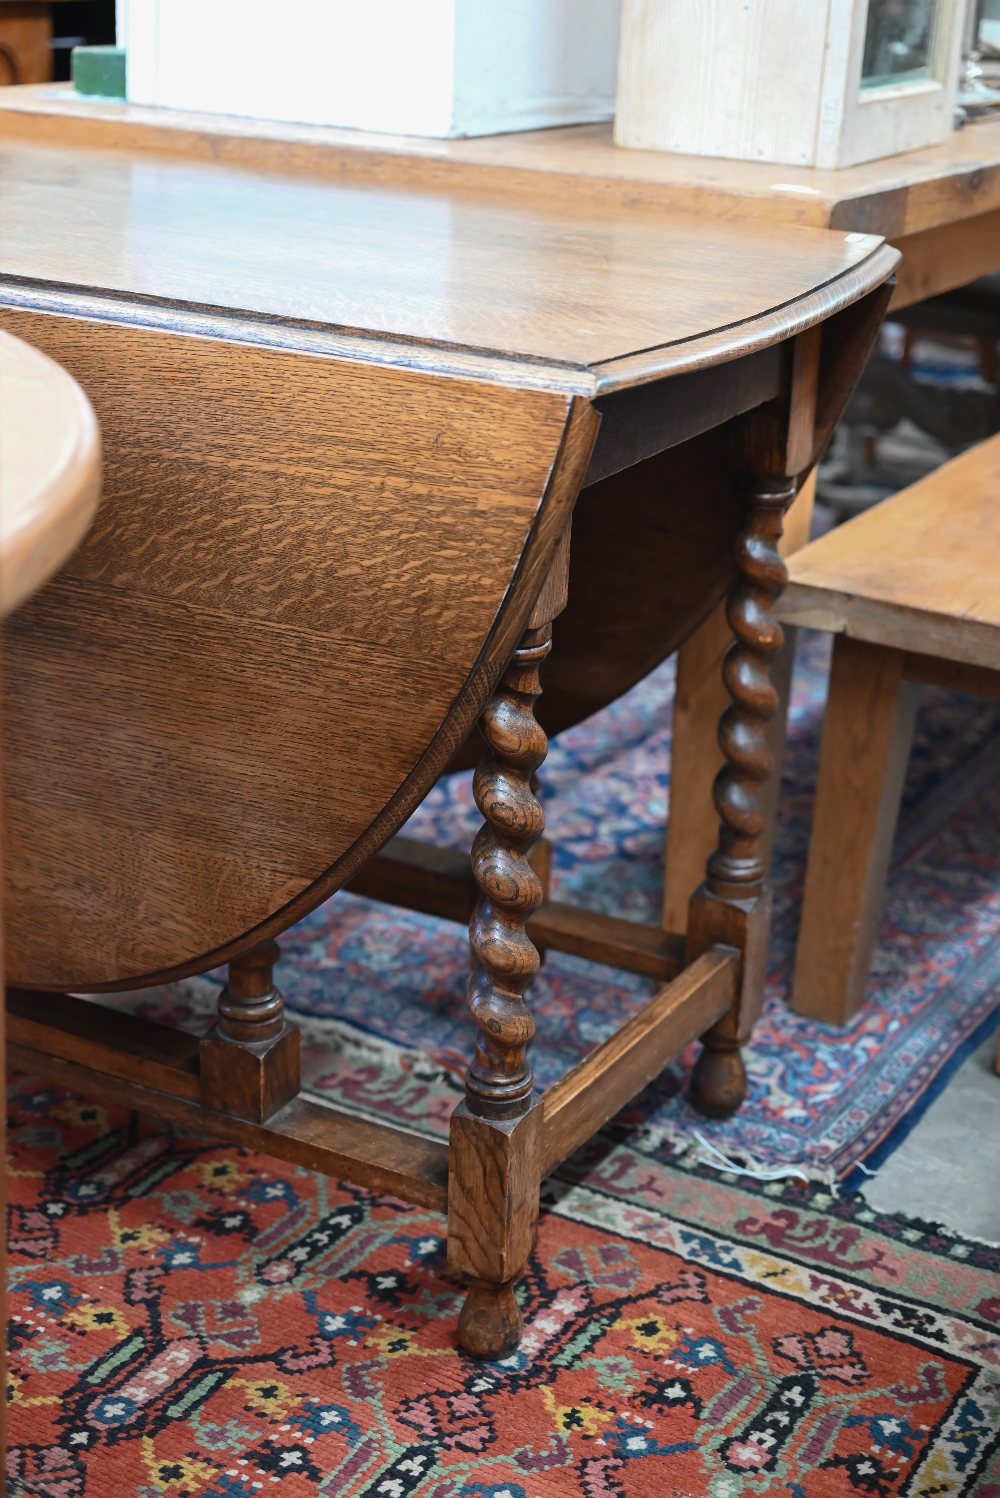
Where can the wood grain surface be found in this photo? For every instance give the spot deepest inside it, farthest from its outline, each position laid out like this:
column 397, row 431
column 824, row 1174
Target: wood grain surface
column 910, row 591
column 347, row 416
column 304, row 1132
column 439, row 881
column 938, row 205
column 946, row 257
column 594, row 1090
column 904, row 194
column 867, row 733
column 919, row 572
column 550, row 280
column 296, row 569
column 337, row 475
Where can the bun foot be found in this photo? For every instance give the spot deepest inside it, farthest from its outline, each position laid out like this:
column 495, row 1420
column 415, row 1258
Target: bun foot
column 718, row 1082
column 490, row 1325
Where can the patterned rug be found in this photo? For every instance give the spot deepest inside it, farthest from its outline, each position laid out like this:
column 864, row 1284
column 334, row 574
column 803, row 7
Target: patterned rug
column 820, row 1099
column 191, row 1321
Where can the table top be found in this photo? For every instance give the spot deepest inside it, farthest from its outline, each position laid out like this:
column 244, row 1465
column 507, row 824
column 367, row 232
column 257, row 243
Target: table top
column 905, row 194
column 309, row 572
column 586, row 295
column 50, row 469
column 918, row 572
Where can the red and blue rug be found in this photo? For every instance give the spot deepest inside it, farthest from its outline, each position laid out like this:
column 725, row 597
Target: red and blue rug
column 192, row 1321
column 820, row 1099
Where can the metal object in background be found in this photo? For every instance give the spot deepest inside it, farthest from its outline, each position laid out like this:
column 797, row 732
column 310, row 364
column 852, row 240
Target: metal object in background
column 977, row 93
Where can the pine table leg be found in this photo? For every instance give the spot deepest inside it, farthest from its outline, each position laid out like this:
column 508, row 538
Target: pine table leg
column 867, row 735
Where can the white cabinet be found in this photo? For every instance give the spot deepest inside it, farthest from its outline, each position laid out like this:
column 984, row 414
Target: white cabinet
column 420, row 67
column 805, row 82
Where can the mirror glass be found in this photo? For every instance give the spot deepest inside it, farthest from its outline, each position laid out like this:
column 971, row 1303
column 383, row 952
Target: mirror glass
column 899, row 42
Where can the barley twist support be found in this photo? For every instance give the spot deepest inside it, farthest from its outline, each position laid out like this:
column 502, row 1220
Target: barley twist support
column 499, row 1082
column 732, row 907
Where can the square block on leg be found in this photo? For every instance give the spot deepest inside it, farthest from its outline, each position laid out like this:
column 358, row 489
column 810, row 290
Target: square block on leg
column 744, row 925
column 719, row 1080
column 249, row 1081
column 494, row 1181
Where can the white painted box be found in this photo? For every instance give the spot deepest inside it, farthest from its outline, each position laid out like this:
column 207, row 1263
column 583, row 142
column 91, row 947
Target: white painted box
column 412, row 67
column 804, row 82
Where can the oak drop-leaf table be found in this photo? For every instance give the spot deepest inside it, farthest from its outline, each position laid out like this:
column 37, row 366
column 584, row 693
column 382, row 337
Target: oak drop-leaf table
column 349, row 413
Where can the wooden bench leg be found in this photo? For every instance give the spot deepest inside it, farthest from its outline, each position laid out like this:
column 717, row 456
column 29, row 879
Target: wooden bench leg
column 249, row 1062
column 732, row 907
column 495, row 1142
column 866, row 744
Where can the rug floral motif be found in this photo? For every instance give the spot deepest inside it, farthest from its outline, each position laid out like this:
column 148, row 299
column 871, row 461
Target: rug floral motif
column 820, row 1098
column 193, row 1321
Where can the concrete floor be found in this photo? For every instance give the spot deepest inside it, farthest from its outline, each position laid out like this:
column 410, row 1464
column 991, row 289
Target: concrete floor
column 948, row 1168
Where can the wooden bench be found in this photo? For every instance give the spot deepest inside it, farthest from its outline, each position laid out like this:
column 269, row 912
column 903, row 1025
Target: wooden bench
column 911, row 590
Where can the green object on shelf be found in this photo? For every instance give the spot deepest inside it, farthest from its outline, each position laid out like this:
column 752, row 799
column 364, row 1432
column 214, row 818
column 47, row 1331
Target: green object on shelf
column 99, row 70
